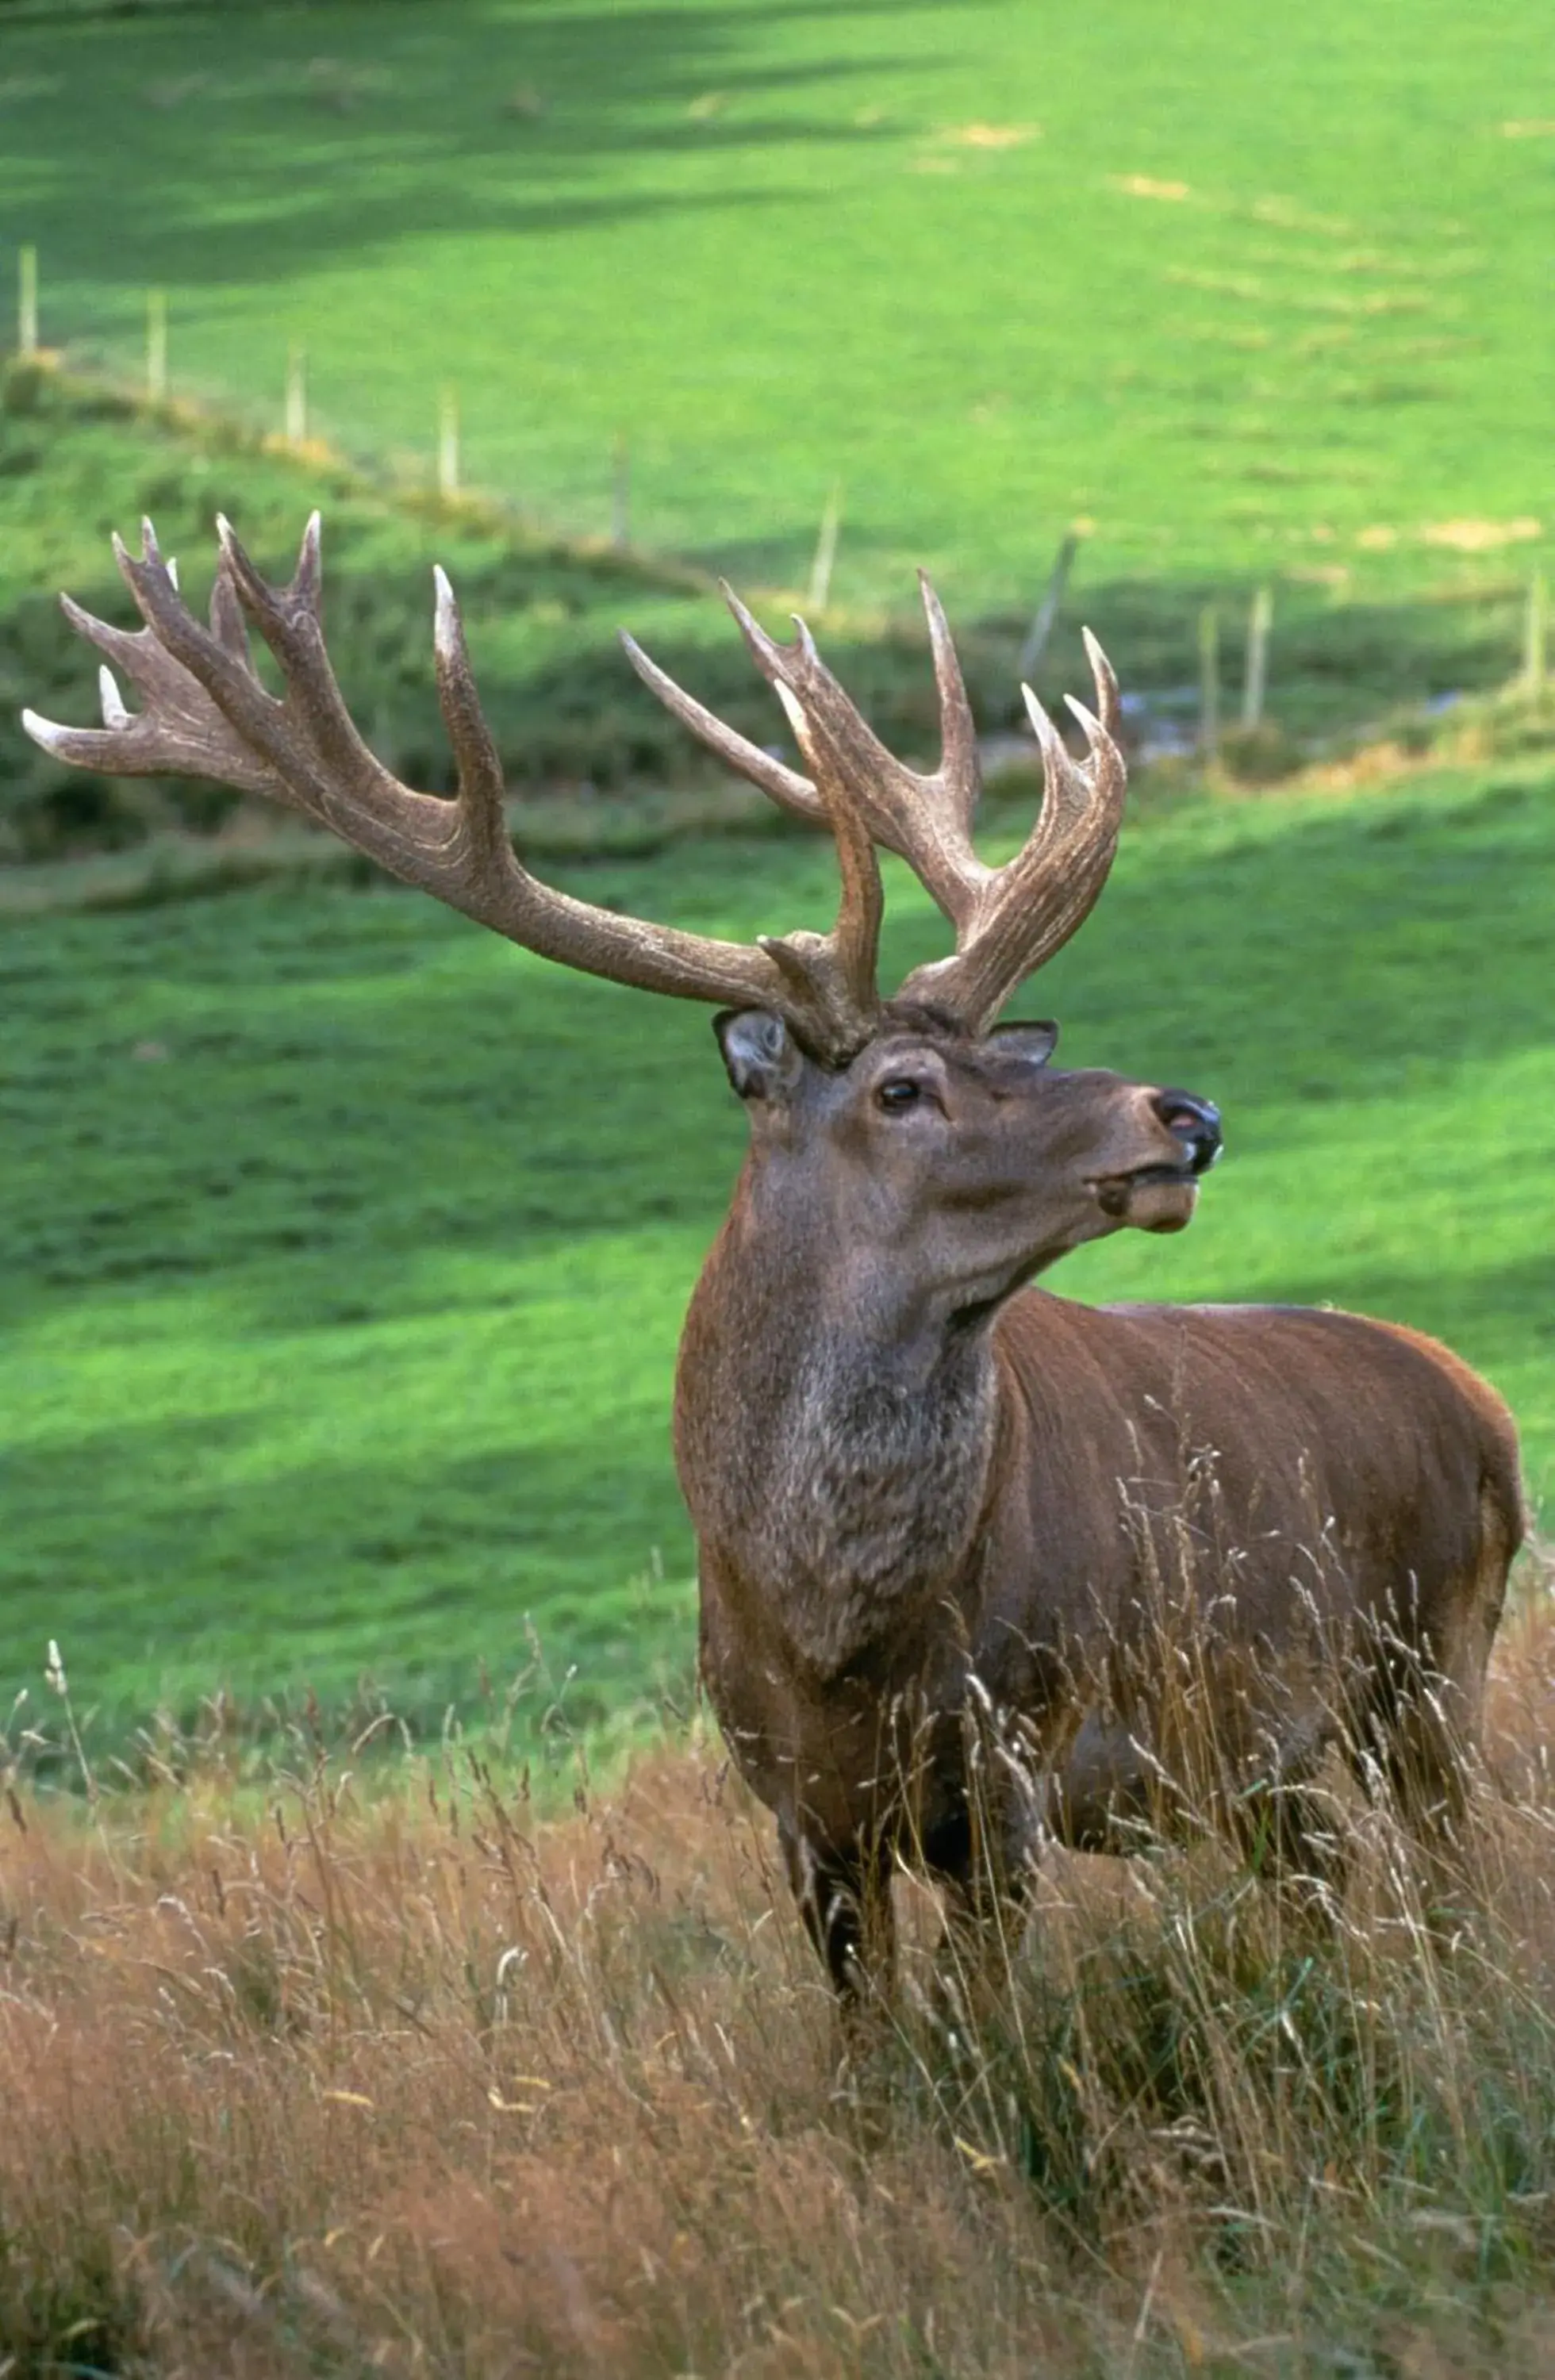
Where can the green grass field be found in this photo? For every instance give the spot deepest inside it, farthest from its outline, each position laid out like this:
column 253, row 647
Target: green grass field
column 1251, row 293
column 347, row 1248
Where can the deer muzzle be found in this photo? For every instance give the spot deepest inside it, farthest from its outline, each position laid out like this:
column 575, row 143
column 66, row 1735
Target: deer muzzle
column 1160, row 1195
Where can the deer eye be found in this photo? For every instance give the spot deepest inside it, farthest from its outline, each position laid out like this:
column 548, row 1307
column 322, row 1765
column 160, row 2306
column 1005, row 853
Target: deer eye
column 901, row 1091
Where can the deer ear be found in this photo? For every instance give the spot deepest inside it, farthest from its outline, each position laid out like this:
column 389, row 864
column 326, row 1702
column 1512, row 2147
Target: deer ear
column 763, row 1060
column 1034, row 1043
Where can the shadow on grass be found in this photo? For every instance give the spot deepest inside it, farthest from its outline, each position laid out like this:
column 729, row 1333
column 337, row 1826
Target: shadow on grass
column 179, row 1581
column 326, row 160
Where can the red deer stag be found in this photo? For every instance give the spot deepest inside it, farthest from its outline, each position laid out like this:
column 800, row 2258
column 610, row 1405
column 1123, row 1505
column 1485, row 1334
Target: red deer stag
column 918, row 1483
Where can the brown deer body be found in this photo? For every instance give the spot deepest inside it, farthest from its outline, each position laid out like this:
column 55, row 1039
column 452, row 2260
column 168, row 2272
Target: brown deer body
column 1015, row 1514
column 947, row 1523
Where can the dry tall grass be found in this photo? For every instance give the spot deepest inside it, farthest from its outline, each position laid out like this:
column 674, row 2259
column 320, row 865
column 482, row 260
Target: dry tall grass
column 394, row 2074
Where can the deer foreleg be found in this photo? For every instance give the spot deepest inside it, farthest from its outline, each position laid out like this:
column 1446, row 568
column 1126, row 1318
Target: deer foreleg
column 844, row 1897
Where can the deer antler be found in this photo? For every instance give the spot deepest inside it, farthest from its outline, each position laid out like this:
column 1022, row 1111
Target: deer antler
column 207, row 714
column 1008, row 920
column 925, row 820
column 1018, row 916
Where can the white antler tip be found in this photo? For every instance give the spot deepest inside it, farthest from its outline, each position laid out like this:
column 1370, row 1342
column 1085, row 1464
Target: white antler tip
column 1043, row 725
column 44, row 731
column 172, row 567
column 150, row 550
column 751, row 626
column 446, row 613
column 1101, row 668
column 806, row 642
column 795, row 710
column 225, row 533
column 1087, row 719
column 113, row 712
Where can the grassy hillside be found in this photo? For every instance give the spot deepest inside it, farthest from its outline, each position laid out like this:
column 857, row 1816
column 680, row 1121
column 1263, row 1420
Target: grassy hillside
column 347, row 1248
column 1249, row 294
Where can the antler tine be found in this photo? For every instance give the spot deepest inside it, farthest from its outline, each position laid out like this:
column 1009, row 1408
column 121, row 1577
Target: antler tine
column 960, row 770
column 207, row 714
column 229, row 626
column 852, row 945
column 784, row 785
column 1032, row 905
column 924, row 819
column 1109, row 702
column 837, row 968
column 178, row 733
column 482, row 789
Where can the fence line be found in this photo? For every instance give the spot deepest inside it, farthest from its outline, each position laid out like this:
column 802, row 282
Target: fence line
column 1533, row 675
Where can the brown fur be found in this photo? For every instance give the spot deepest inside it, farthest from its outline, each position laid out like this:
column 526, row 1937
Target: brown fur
column 907, row 1516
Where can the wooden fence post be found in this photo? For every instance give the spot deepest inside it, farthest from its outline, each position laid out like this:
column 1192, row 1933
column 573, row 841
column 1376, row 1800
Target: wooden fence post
column 27, row 301
column 1536, row 636
column 448, row 442
column 297, row 393
column 156, row 345
column 1255, row 684
column 1042, row 627
column 826, row 550
column 1210, row 681
column 620, row 492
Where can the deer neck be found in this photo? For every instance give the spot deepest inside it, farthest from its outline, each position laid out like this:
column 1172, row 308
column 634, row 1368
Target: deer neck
column 834, row 1440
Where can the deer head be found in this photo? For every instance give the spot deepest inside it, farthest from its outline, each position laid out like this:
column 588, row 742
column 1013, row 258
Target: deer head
column 947, row 1129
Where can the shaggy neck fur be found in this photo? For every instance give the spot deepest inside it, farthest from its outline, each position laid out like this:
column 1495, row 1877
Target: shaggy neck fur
column 834, row 1447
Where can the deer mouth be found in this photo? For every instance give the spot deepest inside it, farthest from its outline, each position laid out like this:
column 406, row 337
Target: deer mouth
column 1151, row 1198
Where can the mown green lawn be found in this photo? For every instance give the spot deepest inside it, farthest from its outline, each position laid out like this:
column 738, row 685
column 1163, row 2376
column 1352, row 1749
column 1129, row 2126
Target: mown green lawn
column 1248, row 290
column 344, row 1249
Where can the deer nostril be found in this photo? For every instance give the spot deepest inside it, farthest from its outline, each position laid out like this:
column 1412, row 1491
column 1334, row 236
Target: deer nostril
column 1195, row 1122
